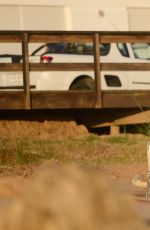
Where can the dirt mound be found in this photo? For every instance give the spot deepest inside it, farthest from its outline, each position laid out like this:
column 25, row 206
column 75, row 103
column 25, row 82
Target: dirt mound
column 70, row 198
column 42, row 129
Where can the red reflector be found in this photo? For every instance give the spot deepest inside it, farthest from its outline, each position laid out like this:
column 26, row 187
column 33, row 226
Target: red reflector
column 46, row 59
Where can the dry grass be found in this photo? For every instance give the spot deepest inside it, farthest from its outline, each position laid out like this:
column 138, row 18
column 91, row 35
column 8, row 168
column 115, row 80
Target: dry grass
column 122, row 157
column 93, row 149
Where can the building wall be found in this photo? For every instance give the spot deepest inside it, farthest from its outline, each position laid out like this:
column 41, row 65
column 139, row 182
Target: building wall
column 32, row 17
column 138, row 18
column 29, row 17
column 117, row 15
column 94, row 15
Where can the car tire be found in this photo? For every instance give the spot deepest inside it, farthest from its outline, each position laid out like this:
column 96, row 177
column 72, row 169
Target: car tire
column 83, row 84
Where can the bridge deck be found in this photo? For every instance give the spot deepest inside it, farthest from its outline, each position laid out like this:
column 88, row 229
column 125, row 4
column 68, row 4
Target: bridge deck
column 75, row 100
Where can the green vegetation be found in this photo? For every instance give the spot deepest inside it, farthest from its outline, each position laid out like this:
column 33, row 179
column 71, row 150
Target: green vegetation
column 139, row 128
column 93, row 149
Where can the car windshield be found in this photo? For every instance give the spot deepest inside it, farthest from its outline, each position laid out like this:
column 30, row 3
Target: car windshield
column 141, row 50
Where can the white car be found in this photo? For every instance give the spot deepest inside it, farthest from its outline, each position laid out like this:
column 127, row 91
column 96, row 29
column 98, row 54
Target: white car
column 81, row 80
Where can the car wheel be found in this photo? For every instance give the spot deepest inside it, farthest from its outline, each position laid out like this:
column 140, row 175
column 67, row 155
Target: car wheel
column 83, row 84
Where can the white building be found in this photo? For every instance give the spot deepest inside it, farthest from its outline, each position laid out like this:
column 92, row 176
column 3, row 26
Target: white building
column 74, row 15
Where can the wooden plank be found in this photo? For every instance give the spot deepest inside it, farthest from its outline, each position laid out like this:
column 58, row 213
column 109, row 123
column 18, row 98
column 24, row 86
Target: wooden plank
column 78, row 36
column 114, row 130
column 61, row 66
column 129, row 38
column 11, row 100
column 54, row 38
column 14, row 38
column 89, row 66
column 26, row 71
column 7, row 67
column 126, row 99
column 125, row 66
column 75, row 66
column 74, row 100
column 138, row 118
column 63, row 100
column 97, row 71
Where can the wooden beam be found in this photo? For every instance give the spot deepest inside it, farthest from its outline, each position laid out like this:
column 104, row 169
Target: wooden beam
column 126, row 99
column 76, row 67
column 138, row 118
column 64, row 38
column 9, row 37
column 125, row 66
column 84, row 66
column 7, row 67
column 26, row 80
column 125, row 38
column 11, row 100
column 61, row 66
column 76, row 99
column 96, row 41
column 63, row 99
column 114, row 130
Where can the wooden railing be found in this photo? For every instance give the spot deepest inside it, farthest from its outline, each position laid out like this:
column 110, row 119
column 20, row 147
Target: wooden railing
column 67, row 99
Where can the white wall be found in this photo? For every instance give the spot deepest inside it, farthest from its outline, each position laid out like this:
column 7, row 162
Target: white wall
column 81, row 15
column 30, row 17
column 78, row 14
column 139, row 18
column 98, row 15
column 100, row 19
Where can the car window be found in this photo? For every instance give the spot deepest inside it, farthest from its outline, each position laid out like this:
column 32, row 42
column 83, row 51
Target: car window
column 104, row 49
column 86, row 48
column 41, row 50
column 141, row 50
column 56, row 47
column 122, row 47
column 71, row 48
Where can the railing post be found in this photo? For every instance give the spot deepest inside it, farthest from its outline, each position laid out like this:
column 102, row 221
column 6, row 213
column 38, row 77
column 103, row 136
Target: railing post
column 96, row 42
column 26, row 80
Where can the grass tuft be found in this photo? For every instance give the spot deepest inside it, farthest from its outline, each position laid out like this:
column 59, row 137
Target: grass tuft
column 92, row 149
